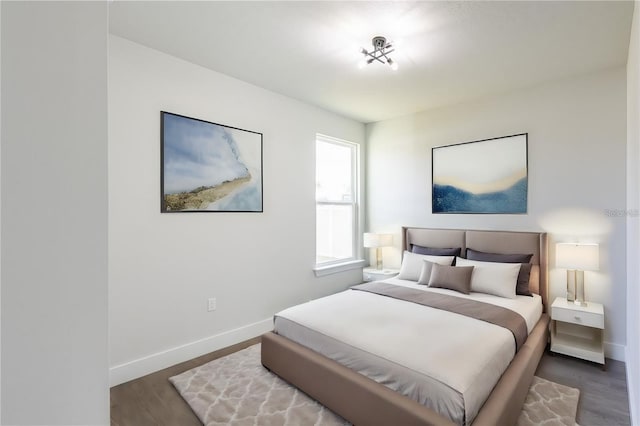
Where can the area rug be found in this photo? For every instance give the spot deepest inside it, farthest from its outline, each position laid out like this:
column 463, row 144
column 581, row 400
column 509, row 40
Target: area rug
column 237, row 390
column 549, row 403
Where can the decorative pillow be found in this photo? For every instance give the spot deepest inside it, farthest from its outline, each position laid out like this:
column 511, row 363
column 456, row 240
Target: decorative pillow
column 522, row 287
column 412, row 264
column 497, row 257
column 425, row 273
column 494, row 278
column 433, row 251
column 456, row 278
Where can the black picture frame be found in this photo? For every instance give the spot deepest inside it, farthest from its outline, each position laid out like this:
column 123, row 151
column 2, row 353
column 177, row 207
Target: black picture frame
column 207, row 167
column 488, row 176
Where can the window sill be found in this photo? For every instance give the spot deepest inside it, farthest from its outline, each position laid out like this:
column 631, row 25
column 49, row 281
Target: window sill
column 335, row 268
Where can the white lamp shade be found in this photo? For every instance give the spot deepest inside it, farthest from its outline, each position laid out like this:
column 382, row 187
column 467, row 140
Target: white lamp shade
column 582, row 257
column 377, row 240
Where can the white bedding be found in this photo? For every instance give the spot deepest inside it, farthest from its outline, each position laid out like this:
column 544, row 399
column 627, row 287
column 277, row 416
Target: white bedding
column 443, row 360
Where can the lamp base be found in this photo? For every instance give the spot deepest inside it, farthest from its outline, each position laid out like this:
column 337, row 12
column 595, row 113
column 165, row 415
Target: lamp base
column 575, row 287
column 580, row 289
column 571, row 285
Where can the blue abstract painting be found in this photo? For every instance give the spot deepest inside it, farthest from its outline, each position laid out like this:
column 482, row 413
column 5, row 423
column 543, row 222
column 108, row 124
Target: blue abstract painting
column 488, row 176
column 209, row 167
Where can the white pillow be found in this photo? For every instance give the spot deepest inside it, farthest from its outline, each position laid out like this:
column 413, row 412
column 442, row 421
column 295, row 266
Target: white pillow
column 412, row 264
column 494, row 278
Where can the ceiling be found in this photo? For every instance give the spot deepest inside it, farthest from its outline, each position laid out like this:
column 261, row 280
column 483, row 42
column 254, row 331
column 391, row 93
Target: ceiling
column 448, row 52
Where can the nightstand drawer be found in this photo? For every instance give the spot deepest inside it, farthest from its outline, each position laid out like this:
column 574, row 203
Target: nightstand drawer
column 588, row 319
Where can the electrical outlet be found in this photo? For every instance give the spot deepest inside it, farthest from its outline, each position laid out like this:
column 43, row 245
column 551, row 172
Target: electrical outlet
column 211, row 305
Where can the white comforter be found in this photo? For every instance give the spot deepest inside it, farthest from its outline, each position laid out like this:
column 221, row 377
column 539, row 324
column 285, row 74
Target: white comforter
column 443, row 360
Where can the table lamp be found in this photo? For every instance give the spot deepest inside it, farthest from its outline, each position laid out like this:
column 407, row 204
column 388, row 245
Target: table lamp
column 577, row 258
column 377, row 241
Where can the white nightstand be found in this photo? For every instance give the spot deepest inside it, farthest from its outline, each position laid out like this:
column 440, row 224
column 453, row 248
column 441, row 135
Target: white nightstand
column 373, row 274
column 577, row 330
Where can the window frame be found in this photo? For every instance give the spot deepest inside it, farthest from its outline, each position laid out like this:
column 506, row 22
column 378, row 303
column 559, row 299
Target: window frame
column 355, row 260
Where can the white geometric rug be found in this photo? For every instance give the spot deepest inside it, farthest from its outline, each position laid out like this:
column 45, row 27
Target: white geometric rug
column 237, row 390
column 549, row 403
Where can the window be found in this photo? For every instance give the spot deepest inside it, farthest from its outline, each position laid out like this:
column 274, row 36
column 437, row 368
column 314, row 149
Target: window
column 337, row 220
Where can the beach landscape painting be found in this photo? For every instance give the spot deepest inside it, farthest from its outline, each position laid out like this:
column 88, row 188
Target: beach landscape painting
column 209, row 167
column 487, row 176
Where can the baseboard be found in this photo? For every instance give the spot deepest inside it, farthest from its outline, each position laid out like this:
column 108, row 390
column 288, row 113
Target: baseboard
column 615, row 351
column 634, row 410
column 633, row 384
column 141, row 367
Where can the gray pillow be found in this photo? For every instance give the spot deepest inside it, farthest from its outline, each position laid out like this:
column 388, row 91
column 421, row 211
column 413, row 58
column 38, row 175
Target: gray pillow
column 412, row 264
column 522, row 285
column 456, row 278
column 497, row 257
column 425, row 273
column 434, row 251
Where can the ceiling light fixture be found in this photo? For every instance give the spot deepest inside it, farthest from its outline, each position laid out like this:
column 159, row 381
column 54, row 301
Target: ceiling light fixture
column 380, row 52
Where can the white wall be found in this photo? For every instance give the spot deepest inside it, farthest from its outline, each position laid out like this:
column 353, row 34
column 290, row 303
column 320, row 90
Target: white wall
column 633, row 219
column 163, row 267
column 576, row 171
column 0, row 216
column 54, row 213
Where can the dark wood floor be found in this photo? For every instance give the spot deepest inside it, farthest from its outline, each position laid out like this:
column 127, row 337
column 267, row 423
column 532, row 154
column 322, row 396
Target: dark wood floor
column 603, row 394
column 152, row 400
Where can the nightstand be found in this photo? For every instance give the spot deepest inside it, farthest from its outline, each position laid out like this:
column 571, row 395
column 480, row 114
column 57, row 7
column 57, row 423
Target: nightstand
column 373, row 274
column 577, row 330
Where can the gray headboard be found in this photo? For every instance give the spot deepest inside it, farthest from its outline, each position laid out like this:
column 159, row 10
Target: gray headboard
column 503, row 242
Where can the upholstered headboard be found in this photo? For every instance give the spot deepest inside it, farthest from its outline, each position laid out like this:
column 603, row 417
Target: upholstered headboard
column 503, row 242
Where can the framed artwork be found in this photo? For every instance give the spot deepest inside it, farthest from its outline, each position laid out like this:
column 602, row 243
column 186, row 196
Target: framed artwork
column 208, row 167
column 486, row 176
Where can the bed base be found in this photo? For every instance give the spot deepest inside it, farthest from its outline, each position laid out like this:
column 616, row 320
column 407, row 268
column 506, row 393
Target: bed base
column 363, row 401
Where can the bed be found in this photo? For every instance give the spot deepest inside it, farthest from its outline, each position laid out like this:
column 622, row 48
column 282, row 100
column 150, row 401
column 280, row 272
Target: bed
column 382, row 374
